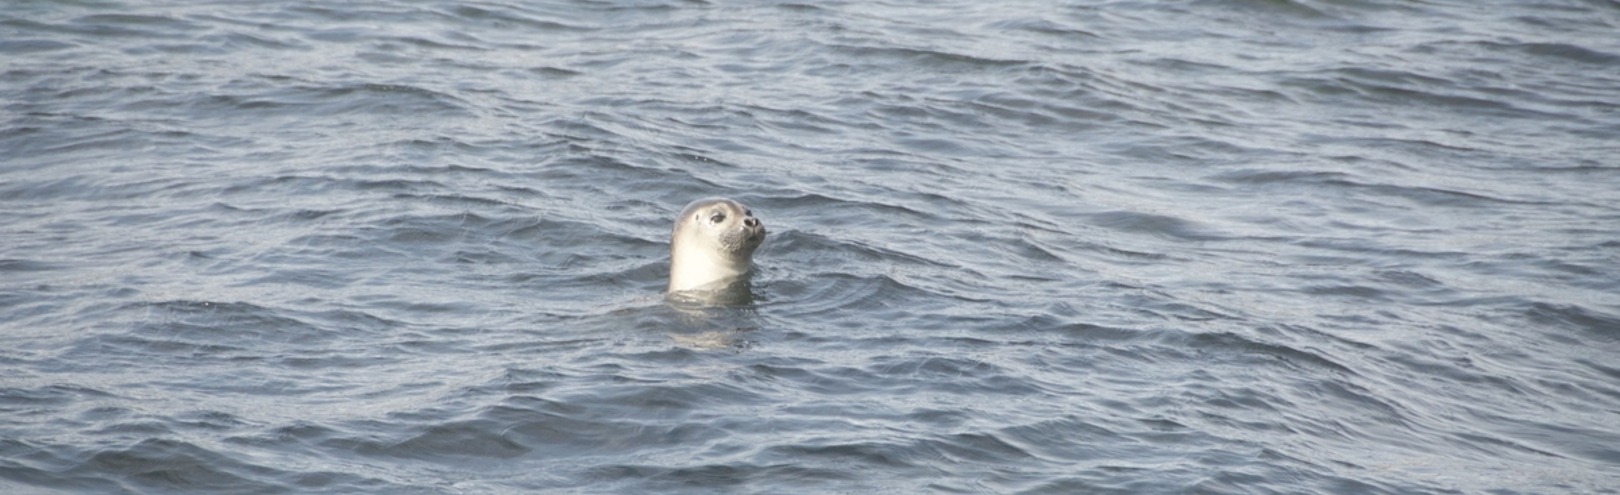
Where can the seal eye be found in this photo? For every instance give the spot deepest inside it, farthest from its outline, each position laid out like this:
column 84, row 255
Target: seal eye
column 717, row 218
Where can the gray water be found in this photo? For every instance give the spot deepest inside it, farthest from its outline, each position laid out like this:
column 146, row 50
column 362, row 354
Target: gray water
column 1212, row 246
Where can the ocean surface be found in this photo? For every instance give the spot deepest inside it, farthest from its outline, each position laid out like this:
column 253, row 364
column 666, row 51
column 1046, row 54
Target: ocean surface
column 1119, row 246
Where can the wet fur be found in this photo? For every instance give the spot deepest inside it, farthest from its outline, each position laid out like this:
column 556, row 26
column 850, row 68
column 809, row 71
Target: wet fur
column 707, row 255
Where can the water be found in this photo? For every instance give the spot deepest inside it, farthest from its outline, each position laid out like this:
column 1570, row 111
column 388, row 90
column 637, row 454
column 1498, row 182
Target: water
column 1215, row 246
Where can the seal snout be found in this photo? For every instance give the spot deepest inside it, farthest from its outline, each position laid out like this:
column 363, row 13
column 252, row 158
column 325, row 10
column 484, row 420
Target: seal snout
column 755, row 228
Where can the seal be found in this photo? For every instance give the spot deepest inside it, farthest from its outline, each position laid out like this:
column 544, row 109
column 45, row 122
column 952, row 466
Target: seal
column 712, row 244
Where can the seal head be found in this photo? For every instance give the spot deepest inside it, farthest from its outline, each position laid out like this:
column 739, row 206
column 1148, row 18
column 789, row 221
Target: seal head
column 712, row 244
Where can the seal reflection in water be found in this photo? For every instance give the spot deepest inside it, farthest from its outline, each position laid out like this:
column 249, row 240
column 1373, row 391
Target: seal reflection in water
column 711, row 249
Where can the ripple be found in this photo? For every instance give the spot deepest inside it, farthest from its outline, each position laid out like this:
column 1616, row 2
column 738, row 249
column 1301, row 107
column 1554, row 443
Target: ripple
column 1598, row 323
column 161, row 465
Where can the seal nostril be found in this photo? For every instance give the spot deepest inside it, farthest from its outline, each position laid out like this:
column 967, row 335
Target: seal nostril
column 751, row 222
